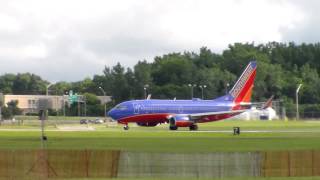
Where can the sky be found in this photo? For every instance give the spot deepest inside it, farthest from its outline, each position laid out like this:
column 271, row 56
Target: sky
column 69, row 40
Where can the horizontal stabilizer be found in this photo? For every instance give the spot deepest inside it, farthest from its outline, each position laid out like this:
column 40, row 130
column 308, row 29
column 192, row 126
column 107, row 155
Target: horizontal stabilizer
column 268, row 103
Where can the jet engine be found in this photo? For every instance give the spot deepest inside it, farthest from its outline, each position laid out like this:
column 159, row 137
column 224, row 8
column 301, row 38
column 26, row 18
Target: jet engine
column 180, row 121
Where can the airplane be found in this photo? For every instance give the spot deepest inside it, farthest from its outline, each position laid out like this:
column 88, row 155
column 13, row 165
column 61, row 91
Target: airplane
column 188, row 113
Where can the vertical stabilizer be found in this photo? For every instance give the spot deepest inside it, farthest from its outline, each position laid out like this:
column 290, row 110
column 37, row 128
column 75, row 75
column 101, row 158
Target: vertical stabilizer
column 242, row 90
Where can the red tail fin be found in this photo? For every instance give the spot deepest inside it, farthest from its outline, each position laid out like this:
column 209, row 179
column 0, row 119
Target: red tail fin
column 242, row 90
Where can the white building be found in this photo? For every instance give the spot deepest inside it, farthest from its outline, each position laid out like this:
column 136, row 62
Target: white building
column 30, row 103
column 257, row 114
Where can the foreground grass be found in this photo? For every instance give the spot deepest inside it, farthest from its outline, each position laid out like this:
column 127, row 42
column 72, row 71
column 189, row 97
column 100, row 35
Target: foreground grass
column 159, row 139
column 233, row 178
column 240, row 178
column 176, row 178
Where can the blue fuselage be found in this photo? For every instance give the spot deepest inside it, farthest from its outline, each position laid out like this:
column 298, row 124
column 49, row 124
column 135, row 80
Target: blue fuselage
column 141, row 107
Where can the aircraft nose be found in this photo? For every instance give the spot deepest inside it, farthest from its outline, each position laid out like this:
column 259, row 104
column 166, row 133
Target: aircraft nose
column 110, row 113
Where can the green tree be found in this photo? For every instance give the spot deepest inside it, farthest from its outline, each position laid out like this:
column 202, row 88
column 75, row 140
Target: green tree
column 173, row 69
column 11, row 110
column 311, row 84
column 60, row 88
column 27, row 83
column 142, row 76
column 119, row 85
column 94, row 107
column 205, row 59
column 216, row 80
column 6, row 83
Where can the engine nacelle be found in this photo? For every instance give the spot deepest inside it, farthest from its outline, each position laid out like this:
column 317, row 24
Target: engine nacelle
column 147, row 124
column 180, row 121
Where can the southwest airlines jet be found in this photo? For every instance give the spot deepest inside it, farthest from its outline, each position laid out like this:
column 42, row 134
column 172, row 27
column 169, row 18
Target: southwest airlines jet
column 187, row 113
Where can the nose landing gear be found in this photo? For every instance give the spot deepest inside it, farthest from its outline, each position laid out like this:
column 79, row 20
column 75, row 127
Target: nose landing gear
column 173, row 128
column 126, row 127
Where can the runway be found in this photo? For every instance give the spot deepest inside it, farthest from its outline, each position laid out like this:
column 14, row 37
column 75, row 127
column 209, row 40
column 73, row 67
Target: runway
column 68, row 129
column 253, row 131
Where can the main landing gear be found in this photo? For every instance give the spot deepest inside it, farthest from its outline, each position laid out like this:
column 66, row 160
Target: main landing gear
column 126, row 127
column 193, row 127
column 173, row 128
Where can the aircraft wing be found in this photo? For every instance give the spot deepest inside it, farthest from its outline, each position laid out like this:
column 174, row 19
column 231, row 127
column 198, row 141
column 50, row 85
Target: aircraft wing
column 209, row 116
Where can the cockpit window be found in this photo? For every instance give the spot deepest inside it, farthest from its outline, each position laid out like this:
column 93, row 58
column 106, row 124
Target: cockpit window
column 121, row 107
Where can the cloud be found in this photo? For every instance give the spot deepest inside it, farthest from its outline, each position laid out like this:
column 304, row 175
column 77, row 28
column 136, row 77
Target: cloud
column 307, row 30
column 74, row 39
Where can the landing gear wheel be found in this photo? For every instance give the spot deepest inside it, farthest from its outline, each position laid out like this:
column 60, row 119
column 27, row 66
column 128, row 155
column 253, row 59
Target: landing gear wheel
column 126, row 127
column 173, row 127
column 193, row 127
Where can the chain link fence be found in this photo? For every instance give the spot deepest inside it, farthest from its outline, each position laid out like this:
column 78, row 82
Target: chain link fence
column 54, row 120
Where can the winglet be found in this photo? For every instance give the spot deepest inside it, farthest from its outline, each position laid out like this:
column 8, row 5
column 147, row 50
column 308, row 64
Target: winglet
column 242, row 90
column 268, row 103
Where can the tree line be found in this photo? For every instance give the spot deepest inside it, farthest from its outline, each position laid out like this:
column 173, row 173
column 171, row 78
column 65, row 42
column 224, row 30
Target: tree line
column 281, row 67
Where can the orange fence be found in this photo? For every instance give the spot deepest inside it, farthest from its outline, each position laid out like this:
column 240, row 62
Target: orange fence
column 42, row 164
column 58, row 163
column 291, row 163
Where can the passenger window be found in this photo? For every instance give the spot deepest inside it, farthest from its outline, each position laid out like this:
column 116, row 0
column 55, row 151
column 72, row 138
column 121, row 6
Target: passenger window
column 121, row 107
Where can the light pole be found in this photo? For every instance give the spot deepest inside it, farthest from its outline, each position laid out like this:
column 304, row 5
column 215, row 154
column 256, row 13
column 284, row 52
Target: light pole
column 145, row 87
column 202, row 87
column 105, row 104
column 297, row 101
column 65, row 95
column 47, row 93
column 192, row 86
column 227, row 87
column 47, row 87
column 43, row 116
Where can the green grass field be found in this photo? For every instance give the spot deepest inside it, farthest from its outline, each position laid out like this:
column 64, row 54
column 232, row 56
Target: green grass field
column 292, row 135
column 286, row 136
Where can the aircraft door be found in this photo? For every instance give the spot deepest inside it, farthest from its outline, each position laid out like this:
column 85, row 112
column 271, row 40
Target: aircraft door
column 180, row 109
column 136, row 108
